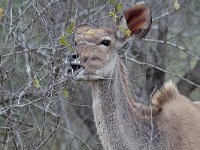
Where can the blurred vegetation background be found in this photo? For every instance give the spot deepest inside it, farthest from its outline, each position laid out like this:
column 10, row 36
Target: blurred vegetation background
column 41, row 108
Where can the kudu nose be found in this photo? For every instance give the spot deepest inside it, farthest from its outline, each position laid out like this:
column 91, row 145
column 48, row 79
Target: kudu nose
column 72, row 57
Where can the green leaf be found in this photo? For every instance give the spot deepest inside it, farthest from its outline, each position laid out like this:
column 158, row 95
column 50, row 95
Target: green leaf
column 72, row 25
column 113, row 2
column 1, row 13
column 126, row 31
column 176, row 5
column 65, row 93
column 69, row 46
column 70, row 31
column 36, row 83
column 70, row 28
column 111, row 13
column 122, row 28
column 62, row 41
column 119, row 6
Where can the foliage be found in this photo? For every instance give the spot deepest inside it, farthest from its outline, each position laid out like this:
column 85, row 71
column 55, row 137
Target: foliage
column 41, row 107
column 70, row 33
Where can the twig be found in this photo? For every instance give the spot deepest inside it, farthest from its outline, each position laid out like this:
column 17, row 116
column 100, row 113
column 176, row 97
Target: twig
column 165, row 71
column 173, row 45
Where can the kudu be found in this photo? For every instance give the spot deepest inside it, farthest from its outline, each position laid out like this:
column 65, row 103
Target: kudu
column 172, row 122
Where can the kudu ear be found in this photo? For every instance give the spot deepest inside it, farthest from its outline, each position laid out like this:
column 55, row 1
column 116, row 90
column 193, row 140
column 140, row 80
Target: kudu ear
column 135, row 23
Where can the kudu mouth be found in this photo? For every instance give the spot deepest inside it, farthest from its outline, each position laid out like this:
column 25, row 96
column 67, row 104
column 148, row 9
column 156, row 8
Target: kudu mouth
column 75, row 66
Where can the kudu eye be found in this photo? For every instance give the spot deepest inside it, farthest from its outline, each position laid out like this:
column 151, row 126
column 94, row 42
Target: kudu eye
column 105, row 42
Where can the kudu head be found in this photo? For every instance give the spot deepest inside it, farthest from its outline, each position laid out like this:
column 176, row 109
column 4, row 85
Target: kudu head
column 95, row 51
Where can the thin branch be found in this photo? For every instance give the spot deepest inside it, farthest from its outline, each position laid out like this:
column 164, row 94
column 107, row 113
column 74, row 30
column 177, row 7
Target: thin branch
column 163, row 70
column 173, row 45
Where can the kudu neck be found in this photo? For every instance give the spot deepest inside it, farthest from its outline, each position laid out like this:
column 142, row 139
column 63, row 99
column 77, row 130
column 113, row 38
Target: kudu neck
column 115, row 87
column 114, row 110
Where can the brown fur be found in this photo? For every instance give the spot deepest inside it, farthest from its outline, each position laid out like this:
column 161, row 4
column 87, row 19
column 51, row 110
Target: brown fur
column 125, row 80
column 197, row 105
column 172, row 122
column 165, row 95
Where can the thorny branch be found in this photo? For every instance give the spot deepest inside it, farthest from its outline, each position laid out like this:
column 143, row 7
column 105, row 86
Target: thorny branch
column 36, row 110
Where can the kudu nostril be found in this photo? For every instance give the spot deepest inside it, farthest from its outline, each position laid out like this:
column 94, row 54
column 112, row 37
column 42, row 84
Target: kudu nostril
column 75, row 56
column 72, row 57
